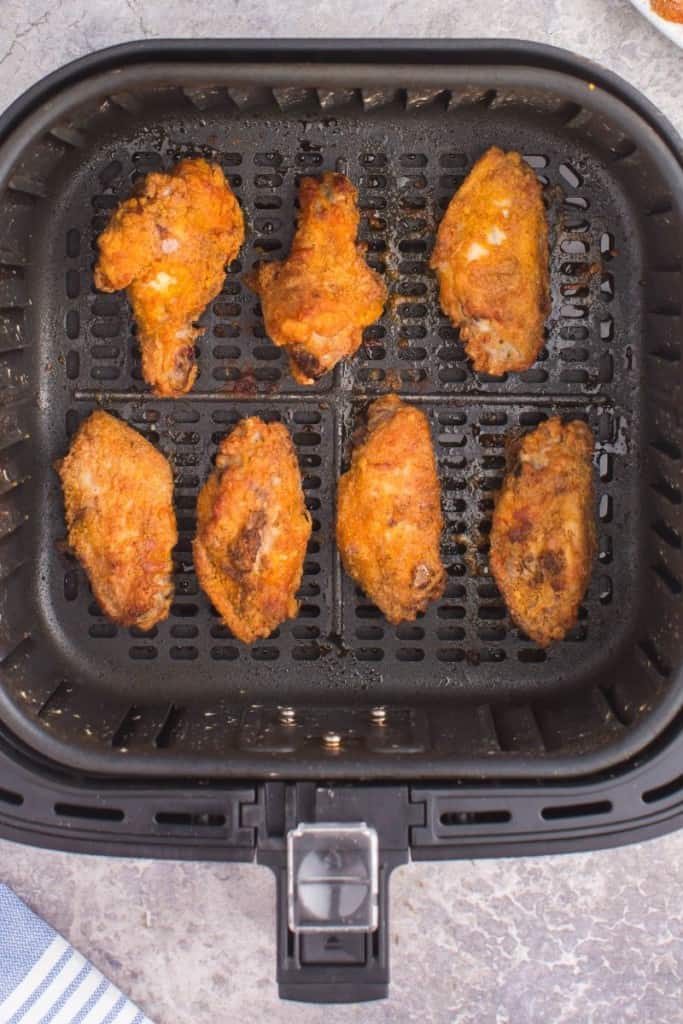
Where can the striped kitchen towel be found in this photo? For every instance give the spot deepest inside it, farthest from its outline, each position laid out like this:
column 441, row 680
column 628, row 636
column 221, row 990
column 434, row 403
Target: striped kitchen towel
column 43, row 980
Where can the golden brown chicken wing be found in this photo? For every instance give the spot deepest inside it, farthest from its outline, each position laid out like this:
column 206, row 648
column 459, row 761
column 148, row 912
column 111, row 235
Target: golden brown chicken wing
column 317, row 302
column 491, row 258
column 389, row 518
column 252, row 530
column 118, row 494
column 169, row 247
column 543, row 535
column 671, row 10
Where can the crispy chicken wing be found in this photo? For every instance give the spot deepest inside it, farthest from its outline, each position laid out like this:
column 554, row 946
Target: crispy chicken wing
column 671, row 10
column 118, row 494
column 252, row 530
column 491, row 258
column 543, row 537
column 317, row 302
column 389, row 518
column 169, row 247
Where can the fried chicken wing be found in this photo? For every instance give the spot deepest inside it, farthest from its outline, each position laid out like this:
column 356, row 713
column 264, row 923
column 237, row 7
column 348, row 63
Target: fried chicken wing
column 389, row 518
column 118, row 495
column 671, row 10
column 169, row 247
column 543, row 539
column 491, row 259
column 252, row 530
column 317, row 302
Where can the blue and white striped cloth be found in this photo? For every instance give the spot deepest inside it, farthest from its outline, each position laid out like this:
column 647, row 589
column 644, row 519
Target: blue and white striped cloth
column 43, row 980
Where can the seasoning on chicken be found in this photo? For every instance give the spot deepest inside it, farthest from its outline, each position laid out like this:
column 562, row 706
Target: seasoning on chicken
column 491, row 258
column 543, row 539
column 169, row 247
column 389, row 518
column 252, row 530
column 317, row 302
column 118, row 494
column 671, row 10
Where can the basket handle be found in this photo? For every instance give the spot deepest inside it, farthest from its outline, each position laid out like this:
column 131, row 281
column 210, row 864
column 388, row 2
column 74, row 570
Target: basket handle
column 332, row 880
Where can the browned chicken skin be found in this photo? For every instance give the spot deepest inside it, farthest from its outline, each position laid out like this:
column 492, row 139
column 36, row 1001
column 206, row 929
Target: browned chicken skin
column 317, row 302
column 118, row 494
column 491, row 258
column 169, row 247
column 389, row 518
column 252, row 530
column 671, row 10
column 543, row 536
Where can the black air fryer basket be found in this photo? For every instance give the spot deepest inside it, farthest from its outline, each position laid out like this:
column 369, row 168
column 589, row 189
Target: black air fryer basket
column 342, row 746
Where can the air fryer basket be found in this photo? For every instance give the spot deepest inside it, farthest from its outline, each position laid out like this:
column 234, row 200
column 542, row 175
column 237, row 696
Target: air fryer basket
column 461, row 694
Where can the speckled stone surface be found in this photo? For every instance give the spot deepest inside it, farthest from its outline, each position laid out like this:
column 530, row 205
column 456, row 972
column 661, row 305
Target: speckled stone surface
column 585, row 939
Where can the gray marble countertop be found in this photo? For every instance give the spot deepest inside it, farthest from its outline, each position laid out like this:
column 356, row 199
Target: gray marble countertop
column 584, row 939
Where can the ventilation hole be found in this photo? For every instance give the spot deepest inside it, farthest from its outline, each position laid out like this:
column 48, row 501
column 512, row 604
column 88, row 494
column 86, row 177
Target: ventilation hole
column 224, row 653
column 126, row 729
column 568, row 173
column 458, row 818
column 369, row 653
column 71, row 585
column 449, row 654
column 306, row 652
column 56, row 699
column 265, row 653
column 410, row 654
column 143, row 652
column 574, row 246
column 605, row 508
column 651, row 796
column 369, row 633
column 495, row 612
column 8, row 797
column 653, row 656
column 492, row 634
column 73, row 284
column 667, row 447
column 305, row 632
column 668, row 491
column 184, row 632
column 184, row 653
column 605, row 368
column 184, row 611
column 672, row 583
column 535, row 376
column 663, row 530
column 105, row 372
column 309, row 611
column 368, row 611
column 531, row 655
column 573, row 376
column 90, row 813
column 186, row 819
column 454, row 611
column 73, row 364
column 103, row 630
column 562, row 811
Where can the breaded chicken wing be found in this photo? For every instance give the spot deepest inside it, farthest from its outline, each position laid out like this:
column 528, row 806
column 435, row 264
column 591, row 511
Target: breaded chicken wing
column 491, row 258
column 543, row 538
column 118, row 494
column 317, row 302
column 389, row 518
column 252, row 530
column 169, row 247
column 671, row 10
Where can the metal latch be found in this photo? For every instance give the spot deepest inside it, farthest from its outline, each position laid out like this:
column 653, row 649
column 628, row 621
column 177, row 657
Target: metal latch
column 332, row 877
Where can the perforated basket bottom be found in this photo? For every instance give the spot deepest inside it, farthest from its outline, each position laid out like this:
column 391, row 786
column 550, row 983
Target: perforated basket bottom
column 340, row 648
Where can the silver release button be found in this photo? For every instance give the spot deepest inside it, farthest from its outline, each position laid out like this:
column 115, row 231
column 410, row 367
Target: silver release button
column 332, row 877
